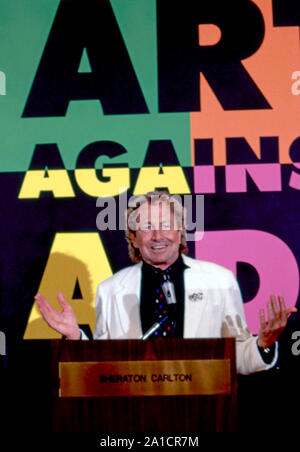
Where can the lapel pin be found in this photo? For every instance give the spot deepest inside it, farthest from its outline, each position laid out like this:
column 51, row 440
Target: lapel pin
column 196, row 296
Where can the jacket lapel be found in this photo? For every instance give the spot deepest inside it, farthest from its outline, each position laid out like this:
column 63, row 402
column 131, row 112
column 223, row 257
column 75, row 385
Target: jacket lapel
column 194, row 302
column 128, row 303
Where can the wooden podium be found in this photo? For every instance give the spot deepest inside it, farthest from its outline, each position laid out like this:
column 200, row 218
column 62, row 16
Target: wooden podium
column 188, row 400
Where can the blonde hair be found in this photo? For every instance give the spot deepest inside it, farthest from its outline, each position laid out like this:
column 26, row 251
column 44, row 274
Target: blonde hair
column 154, row 197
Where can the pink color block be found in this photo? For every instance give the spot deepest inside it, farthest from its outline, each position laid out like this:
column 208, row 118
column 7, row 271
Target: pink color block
column 269, row 255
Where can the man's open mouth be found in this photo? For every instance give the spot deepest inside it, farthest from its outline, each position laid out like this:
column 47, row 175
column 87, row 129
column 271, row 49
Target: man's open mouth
column 159, row 247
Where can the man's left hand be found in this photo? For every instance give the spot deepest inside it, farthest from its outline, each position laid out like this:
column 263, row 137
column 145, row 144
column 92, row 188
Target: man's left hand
column 271, row 329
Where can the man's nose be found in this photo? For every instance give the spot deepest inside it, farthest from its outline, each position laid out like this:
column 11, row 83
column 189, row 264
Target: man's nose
column 157, row 234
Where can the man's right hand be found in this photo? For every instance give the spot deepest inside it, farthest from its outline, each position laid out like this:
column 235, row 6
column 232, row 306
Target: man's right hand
column 63, row 321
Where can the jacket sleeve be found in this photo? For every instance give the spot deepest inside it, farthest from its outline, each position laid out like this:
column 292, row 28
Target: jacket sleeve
column 248, row 357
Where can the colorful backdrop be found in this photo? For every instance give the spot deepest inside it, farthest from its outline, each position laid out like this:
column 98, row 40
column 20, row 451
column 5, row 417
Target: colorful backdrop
column 110, row 97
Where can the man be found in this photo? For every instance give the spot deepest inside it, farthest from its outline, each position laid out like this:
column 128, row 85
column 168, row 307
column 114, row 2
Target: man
column 206, row 297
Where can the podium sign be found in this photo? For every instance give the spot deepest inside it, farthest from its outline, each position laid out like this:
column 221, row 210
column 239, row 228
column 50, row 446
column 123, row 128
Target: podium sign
column 145, row 378
column 157, row 385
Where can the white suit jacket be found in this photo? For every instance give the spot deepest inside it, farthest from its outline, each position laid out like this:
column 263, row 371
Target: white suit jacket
column 213, row 307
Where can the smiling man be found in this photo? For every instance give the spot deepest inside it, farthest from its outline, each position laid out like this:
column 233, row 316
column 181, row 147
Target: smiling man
column 155, row 230
column 186, row 297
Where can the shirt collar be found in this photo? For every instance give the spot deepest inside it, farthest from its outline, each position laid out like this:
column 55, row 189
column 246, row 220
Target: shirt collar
column 173, row 270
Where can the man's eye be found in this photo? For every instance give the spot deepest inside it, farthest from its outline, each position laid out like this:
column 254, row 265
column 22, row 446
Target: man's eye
column 166, row 226
column 146, row 227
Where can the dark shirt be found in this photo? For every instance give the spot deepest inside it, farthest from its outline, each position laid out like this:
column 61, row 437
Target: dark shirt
column 152, row 296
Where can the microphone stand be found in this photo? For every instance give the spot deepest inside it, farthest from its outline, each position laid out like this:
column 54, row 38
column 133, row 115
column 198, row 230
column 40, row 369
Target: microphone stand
column 153, row 328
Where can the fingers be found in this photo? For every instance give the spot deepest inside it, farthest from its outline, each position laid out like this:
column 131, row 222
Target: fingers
column 229, row 320
column 46, row 309
column 274, row 305
column 42, row 303
column 288, row 309
column 291, row 309
column 262, row 319
column 45, row 305
column 283, row 312
column 281, row 302
column 272, row 310
column 39, row 298
column 271, row 328
column 62, row 301
column 277, row 315
column 239, row 321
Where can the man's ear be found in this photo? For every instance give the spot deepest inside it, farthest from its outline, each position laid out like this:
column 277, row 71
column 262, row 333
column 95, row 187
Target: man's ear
column 132, row 238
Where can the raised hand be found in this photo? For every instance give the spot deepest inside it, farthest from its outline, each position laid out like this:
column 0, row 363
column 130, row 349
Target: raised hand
column 271, row 329
column 63, row 321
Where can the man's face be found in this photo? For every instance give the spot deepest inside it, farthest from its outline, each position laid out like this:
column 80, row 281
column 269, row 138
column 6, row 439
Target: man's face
column 156, row 235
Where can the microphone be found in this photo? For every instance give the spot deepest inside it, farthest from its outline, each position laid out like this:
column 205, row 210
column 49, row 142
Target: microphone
column 153, row 328
column 169, row 290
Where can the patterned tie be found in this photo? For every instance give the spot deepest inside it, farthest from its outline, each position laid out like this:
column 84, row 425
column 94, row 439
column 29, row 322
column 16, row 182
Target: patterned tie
column 163, row 309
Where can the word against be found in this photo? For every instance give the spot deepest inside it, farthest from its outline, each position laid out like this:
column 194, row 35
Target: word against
column 2, row 84
column 296, row 85
column 296, row 345
column 2, row 343
column 47, row 173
